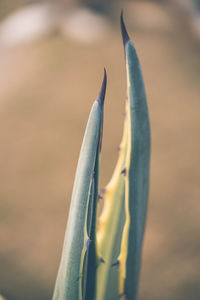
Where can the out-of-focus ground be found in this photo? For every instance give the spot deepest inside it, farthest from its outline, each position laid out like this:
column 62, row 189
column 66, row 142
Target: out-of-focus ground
column 46, row 91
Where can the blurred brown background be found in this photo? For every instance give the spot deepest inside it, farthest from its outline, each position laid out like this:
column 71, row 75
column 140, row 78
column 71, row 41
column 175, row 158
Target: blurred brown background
column 49, row 77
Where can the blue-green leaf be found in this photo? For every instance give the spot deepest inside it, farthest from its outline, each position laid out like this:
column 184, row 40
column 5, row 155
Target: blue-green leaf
column 137, row 173
column 82, row 215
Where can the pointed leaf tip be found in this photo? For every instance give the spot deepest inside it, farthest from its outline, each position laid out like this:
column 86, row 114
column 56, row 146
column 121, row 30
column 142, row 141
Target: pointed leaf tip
column 125, row 35
column 102, row 93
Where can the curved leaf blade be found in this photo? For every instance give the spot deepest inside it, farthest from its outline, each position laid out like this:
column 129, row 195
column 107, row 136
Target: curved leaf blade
column 110, row 228
column 137, row 173
column 69, row 275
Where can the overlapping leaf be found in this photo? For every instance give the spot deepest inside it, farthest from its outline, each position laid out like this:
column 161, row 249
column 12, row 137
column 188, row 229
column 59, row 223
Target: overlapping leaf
column 76, row 274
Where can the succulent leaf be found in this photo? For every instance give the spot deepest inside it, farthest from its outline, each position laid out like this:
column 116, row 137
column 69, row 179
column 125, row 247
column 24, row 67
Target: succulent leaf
column 111, row 223
column 85, row 190
column 137, row 173
column 102, row 261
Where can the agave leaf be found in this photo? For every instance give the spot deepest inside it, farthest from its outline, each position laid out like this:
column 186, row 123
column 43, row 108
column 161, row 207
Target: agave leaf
column 122, row 222
column 137, row 173
column 125, row 200
column 110, row 228
column 90, row 259
column 82, row 215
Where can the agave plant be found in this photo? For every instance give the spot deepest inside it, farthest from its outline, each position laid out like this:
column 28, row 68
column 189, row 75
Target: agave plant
column 101, row 257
